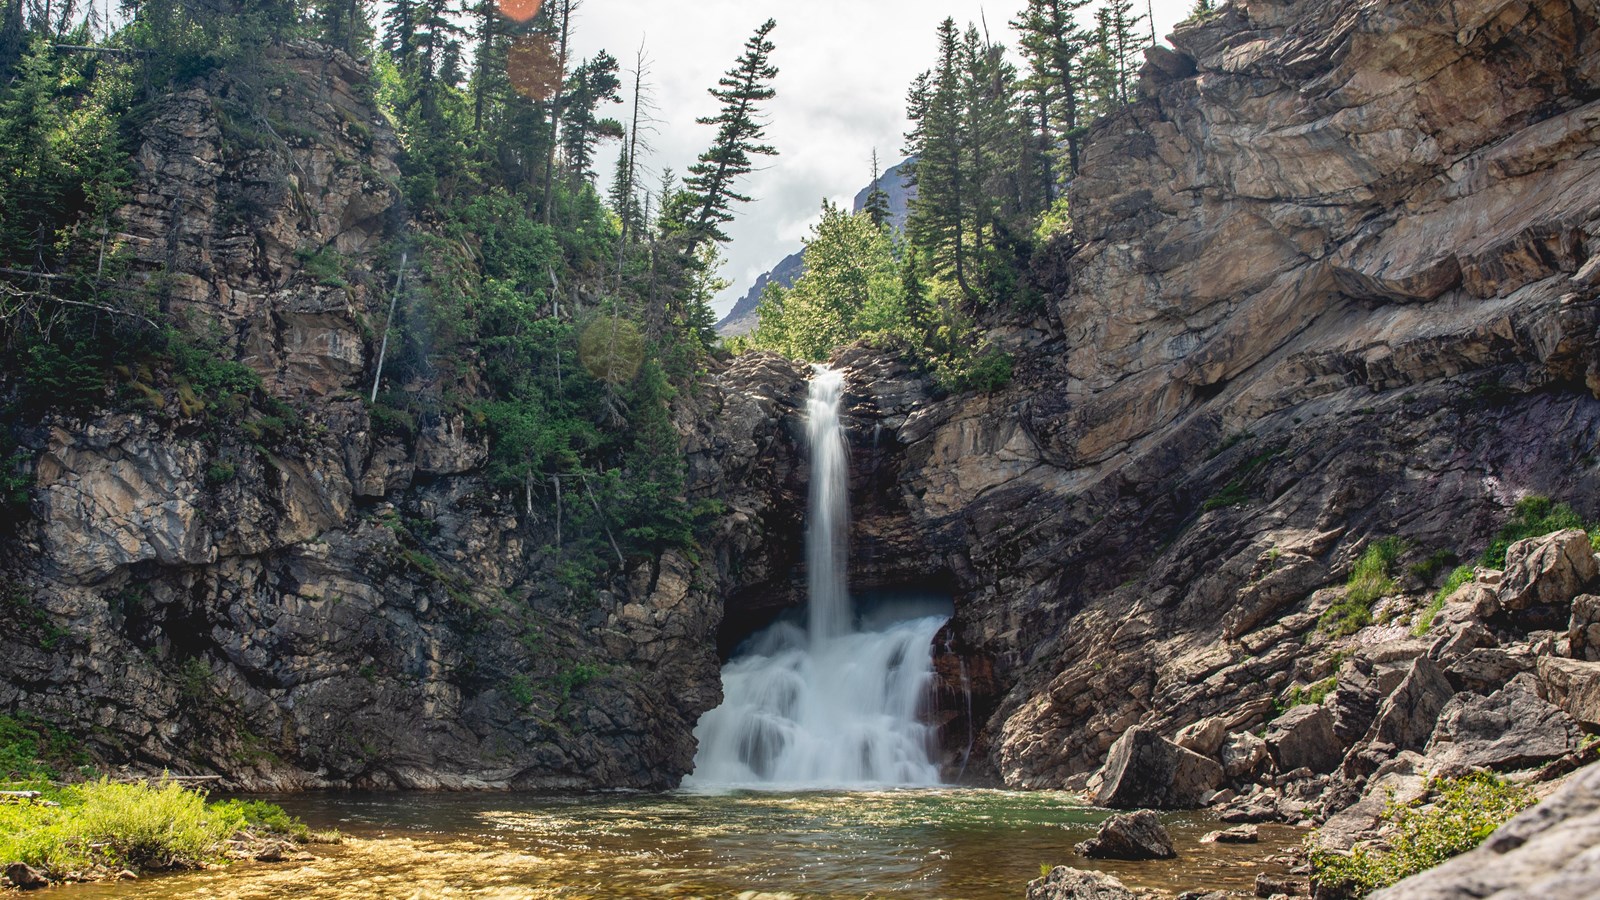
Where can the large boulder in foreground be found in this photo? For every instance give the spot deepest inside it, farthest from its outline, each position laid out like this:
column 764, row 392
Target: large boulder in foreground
column 1548, row 570
column 1137, row 835
column 1551, row 852
column 1075, row 884
column 1145, row 770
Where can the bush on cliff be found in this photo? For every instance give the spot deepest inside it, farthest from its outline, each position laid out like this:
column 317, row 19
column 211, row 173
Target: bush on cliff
column 1371, row 581
column 1462, row 815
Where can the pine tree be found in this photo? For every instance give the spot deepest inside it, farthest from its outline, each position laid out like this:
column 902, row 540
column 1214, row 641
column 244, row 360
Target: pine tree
column 558, row 14
column 1054, row 43
column 593, row 84
column 343, row 24
column 740, row 130
column 877, row 205
column 940, row 214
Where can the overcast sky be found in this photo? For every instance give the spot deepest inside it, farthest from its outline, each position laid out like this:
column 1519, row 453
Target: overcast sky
column 845, row 66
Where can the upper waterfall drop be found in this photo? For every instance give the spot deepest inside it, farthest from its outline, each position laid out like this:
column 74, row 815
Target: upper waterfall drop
column 829, row 611
column 837, row 704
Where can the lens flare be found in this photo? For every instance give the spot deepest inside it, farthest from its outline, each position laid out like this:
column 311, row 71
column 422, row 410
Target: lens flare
column 520, row 10
column 612, row 349
column 532, row 66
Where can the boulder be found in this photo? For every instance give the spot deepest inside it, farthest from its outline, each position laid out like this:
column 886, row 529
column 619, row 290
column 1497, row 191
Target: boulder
column 1487, row 669
column 1136, row 835
column 1547, row 852
column 26, row 877
column 1304, row 737
column 1075, row 884
column 1509, row 729
column 1145, row 770
column 1243, row 754
column 1548, row 570
column 1400, row 781
column 1471, row 603
column 1573, row 685
column 1203, row 737
column 1407, row 717
column 1240, row 834
column 1583, row 634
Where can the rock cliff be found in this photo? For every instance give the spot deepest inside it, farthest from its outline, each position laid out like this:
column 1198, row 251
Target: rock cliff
column 1334, row 279
column 312, row 598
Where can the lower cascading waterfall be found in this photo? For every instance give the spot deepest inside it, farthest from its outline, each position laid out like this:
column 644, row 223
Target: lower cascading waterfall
column 837, row 704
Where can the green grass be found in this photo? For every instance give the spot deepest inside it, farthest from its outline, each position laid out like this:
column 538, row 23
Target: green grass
column 1463, row 814
column 1310, row 695
column 1371, row 581
column 1534, row 517
column 101, row 827
column 1459, row 577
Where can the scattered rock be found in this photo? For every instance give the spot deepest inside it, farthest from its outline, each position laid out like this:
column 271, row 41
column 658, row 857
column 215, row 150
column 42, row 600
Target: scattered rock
column 1275, row 886
column 1511, row 728
column 26, row 877
column 1144, row 769
column 1243, row 754
column 1486, row 669
column 1548, row 570
column 1303, row 737
column 1573, row 685
column 1408, row 717
column 1203, row 737
column 1583, row 635
column 1075, row 884
column 1241, row 834
column 1137, row 835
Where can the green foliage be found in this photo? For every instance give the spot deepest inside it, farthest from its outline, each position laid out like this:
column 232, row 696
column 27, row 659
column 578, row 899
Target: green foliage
column 1461, row 576
column 1531, row 517
column 1310, row 695
column 1437, row 561
column 139, row 826
column 1461, row 814
column 1370, row 581
column 33, row 753
column 520, row 690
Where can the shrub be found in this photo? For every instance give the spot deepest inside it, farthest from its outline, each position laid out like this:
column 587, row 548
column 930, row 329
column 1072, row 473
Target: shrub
column 1309, row 695
column 137, row 826
column 1531, row 517
column 1464, row 813
column 1459, row 577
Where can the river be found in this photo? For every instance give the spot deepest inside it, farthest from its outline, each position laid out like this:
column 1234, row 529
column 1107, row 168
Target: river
column 925, row 844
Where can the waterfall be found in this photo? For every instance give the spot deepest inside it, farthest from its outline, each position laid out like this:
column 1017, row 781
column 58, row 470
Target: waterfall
column 836, row 704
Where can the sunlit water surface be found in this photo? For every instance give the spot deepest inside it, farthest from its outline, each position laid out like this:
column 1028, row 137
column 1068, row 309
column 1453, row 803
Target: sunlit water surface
column 973, row 845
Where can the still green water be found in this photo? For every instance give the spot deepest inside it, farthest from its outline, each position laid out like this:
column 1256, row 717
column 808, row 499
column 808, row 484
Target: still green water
column 972, row 845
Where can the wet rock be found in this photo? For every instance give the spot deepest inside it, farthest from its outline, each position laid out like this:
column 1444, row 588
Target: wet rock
column 1583, row 634
column 1574, row 686
column 1546, row 852
column 1137, row 835
column 26, row 877
column 1304, row 737
column 1144, row 769
column 1548, row 570
column 1278, row 886
column 1242, row 834
column 1512, row 728
column 1075, row 884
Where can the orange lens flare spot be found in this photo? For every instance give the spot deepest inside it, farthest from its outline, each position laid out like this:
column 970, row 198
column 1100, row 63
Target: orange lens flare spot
column 520, row 10
column 532, row 66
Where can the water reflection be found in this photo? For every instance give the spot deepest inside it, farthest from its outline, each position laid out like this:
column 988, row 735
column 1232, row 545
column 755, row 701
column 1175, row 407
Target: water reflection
column 975, row 845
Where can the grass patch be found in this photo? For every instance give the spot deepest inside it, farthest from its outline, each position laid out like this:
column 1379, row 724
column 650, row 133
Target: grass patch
column 1438, row 561
column 1310, row 695
column 1371, row 581
column 1464, row 812
column 1459, row 577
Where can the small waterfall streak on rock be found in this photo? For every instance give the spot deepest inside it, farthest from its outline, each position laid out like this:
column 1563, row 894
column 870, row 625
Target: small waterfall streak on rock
column 833, row 705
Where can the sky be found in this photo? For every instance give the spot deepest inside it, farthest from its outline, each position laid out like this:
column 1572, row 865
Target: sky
column 844, row 67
